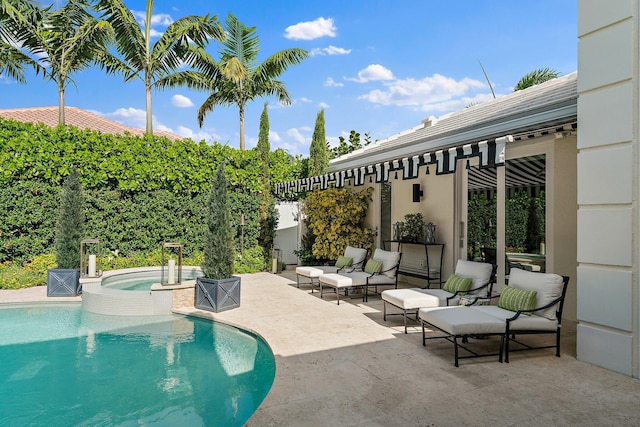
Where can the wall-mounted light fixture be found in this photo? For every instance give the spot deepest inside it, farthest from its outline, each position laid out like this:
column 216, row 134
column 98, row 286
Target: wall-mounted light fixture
column 417, row 193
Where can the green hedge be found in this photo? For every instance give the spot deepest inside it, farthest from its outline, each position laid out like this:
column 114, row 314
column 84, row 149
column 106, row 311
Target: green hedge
column 128, row 163
column 138, row 192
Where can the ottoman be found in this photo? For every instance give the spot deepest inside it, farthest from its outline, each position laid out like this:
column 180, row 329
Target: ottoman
column 335, row 281
column 313, row 273
column 462, row 322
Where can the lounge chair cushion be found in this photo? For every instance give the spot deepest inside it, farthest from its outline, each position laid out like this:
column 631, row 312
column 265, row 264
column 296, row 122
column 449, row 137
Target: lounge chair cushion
column 456, row 283
column 336, row 280
column 315, row 271
column 389, row 261
column 480, row 272
column 357, row 255
column 535, row 323
column 373, row 266
column 515, row 299
column 343, row 261
column 461, row 320
column 547, row 285
column 410, row 299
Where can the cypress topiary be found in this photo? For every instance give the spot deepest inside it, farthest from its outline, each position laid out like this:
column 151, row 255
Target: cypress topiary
column 218, row 239
column 70, row 225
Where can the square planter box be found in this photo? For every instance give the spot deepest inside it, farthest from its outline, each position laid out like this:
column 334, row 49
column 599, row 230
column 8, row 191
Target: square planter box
column 217, row 295
column 63, row 282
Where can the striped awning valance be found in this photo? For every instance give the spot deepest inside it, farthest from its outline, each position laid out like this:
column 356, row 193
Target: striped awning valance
column 491, row 154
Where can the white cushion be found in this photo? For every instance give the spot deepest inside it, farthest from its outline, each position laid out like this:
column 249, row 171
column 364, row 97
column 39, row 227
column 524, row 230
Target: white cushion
column 480, row 272
column 461, row 320
column 357, row 255
column 358, row 278
column 409, row 299
column 389, row 260
column 547, row 285
column 315, row 271
column 535, row 323
column 442, row 295
column 336, row 280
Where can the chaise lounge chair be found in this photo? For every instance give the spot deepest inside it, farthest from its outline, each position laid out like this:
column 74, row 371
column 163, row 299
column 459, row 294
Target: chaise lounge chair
column 352, row 260
column 380, row 270
column 531, row 304
column 410, row 300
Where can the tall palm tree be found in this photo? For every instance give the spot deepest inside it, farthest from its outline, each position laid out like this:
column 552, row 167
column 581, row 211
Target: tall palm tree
column 238, row 77
column 12, row 59
column 536, row 77
column 61, row 41
column 157, row 64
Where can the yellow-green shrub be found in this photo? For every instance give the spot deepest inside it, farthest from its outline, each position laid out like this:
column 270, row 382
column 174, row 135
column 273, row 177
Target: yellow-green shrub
column 336, row 218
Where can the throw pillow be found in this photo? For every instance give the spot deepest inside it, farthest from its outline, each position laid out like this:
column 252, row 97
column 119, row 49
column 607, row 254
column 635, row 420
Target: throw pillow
column 515, row 299
column 456, row 283
column 343, row 261
column 373, row 266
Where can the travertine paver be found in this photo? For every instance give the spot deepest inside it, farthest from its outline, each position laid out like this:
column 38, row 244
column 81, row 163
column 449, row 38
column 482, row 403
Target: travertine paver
column 344, row 366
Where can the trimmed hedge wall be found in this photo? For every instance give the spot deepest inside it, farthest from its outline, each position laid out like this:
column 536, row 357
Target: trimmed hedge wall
column 138, row 192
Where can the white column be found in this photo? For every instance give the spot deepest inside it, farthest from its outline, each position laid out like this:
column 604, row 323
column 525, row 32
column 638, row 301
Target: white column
column 172, row 272
column 92, row 266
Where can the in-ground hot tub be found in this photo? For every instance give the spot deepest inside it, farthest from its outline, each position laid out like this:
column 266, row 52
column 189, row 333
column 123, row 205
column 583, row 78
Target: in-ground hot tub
column 133, row 291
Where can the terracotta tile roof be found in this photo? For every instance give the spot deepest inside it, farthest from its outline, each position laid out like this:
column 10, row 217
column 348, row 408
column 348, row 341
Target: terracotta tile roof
column 74, row 116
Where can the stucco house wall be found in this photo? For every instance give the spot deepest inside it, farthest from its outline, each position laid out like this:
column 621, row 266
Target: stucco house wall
column 607, row 300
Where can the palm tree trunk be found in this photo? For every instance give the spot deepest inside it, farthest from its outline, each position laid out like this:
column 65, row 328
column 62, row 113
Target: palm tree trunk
column 149, row 130
column 241, row 127
column 61, row 104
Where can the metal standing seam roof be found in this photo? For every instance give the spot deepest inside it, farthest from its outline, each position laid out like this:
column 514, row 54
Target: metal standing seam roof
column 79, row 118
column 548, row 104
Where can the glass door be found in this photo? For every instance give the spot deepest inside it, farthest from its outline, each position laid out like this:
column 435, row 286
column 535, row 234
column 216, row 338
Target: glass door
column 385, row 213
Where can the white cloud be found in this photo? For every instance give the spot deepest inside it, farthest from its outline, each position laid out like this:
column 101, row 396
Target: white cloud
column 296, row 135
column 373, row 72
column 331, row 50
column 132, row 117
column 332, row 83
column 181, row 101
column 274, row 136
column 310, row 30
column 433, row 92
column 160, row 19
column 303, row 99
column 196, row 136
column 323, row 105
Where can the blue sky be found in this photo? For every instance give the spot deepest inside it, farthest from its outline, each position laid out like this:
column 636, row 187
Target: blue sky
column 376, row 66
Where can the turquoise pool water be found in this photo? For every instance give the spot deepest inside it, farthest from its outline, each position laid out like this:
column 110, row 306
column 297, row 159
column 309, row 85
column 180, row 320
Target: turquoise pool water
column 60, row 366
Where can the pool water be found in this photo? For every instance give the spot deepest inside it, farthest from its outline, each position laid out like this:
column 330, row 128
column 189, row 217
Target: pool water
column 61, row 366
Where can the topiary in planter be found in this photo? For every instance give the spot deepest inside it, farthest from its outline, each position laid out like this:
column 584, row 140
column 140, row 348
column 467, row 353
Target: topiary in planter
column 65, row 280
column 219, row 289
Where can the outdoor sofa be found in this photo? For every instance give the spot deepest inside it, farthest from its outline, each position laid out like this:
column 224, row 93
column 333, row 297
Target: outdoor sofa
column 531, row 304
column 380, row 270
column 352, row 260
column 482, row 277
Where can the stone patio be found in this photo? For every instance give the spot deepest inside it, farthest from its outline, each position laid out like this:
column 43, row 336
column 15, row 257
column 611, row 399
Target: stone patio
column 344, row 366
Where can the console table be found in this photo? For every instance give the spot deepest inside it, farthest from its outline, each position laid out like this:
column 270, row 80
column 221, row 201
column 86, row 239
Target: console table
column 430, row 272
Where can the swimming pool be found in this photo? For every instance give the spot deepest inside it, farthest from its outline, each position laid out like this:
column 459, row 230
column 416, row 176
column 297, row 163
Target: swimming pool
column 63, row 366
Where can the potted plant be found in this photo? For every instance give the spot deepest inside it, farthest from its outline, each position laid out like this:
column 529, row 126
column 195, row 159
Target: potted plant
column 65, row 280
column 218, row 290
column 412, row 227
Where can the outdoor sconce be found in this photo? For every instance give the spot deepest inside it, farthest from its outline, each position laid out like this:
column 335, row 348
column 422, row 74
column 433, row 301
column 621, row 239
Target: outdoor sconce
column 89, row 261
column 171, row 252
column 417, row 193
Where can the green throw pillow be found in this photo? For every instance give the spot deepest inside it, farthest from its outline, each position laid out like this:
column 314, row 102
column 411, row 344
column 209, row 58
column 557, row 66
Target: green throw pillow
column 515, row 299
column 343, row 261
column 456, row 283
column 373, row 266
